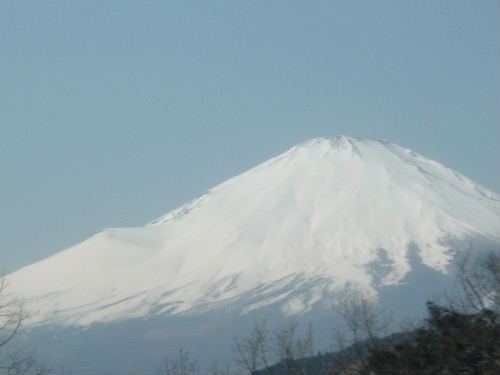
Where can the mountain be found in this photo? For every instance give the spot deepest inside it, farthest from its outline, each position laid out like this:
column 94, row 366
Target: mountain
column 289, row 236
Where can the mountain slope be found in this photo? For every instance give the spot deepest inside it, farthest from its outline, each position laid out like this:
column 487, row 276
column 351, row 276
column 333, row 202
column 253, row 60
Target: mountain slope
column 295, row 231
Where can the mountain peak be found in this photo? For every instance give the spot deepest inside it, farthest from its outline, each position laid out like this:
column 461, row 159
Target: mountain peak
column 334, row 142
column 343, row 144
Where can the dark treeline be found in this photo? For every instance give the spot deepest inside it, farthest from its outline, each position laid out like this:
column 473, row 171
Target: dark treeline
column 450, row 342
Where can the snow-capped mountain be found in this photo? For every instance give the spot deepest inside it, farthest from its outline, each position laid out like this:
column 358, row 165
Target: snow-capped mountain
column 293, row 232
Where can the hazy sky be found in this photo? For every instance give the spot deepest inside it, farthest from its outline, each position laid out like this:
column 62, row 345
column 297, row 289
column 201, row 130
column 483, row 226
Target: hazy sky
column 114, row 112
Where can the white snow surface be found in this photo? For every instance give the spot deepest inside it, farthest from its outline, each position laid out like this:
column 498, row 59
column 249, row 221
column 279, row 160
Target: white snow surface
column 310, row 221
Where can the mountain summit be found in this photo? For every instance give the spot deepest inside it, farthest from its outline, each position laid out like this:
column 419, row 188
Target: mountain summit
column 293, row 232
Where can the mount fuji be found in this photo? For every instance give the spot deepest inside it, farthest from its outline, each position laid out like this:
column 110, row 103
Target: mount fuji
column 284, row 239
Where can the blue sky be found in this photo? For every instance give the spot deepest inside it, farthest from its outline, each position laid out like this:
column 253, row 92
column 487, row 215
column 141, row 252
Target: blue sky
column 114, row 112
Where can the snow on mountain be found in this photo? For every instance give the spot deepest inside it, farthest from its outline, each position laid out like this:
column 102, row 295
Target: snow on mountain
column 293, row 232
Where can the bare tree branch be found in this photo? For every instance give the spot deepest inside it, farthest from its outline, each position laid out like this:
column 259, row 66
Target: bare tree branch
column 182, row 364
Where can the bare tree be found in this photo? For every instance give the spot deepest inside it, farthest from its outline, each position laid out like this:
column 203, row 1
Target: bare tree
column 479, row 278
column 254, row 352
column 182, row 364
column 280, row 351
column 12, row 317
column 364, row 324
column 292, row 351
column 12, row 314
column 20, row 362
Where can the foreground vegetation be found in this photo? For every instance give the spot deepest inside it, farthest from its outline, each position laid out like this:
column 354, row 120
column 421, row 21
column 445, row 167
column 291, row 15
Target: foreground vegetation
column 459, row 337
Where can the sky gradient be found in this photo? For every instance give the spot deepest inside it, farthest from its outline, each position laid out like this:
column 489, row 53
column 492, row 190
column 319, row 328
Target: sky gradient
column 115, row 112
